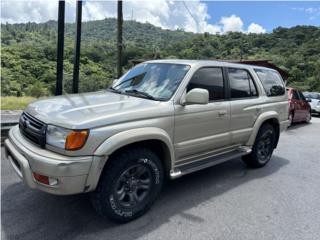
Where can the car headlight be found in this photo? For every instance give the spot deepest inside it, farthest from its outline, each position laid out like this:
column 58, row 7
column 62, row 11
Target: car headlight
column 65, row 138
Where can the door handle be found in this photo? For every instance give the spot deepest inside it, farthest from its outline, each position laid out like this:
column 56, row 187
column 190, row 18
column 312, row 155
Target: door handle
column 222, row 113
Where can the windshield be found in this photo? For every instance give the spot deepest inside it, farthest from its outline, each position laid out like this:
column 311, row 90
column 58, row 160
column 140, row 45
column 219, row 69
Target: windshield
column 311, row 95
column 156, row 81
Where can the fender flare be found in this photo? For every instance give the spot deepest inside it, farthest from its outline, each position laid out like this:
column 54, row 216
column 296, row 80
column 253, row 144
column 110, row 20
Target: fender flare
column 258, row 123
column 122, row 139
column 127, row 137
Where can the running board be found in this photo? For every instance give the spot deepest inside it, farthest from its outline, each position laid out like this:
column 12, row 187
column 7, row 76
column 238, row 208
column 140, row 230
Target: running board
column 208, row 162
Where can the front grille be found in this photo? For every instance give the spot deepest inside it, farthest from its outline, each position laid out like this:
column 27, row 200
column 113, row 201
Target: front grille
column 33, row 129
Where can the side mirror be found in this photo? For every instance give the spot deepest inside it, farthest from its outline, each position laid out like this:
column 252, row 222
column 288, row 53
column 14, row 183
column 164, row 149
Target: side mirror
column 308, row 100
column 196, row 96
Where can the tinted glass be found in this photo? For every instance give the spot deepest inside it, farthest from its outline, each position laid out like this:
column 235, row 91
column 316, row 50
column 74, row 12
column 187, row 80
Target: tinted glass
column 210, row 79
column 295, row 95
column 160, row 80
column 301, row 96
column 271, row 81
column 312, row 95
column 241, row 83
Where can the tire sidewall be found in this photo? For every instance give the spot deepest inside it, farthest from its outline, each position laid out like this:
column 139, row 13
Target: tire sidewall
column 290, row 118
column 265, row 128
column 110, row 205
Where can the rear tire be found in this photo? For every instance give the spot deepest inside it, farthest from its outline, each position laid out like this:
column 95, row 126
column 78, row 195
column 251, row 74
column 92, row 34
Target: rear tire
column 129, row 185
column 262, row 148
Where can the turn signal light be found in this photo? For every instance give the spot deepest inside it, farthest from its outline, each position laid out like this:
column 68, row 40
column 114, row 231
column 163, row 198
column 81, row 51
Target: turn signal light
column 76, row 139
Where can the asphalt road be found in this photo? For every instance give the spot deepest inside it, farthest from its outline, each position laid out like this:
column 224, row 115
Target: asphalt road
column 229, row 201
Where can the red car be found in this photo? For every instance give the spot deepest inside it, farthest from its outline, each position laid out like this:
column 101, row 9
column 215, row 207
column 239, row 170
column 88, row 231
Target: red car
column 299, row 108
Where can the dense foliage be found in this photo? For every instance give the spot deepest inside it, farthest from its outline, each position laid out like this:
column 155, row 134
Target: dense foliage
column 28, row 53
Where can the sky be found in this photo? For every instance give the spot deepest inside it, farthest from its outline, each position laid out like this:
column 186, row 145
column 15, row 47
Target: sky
column 190, row 15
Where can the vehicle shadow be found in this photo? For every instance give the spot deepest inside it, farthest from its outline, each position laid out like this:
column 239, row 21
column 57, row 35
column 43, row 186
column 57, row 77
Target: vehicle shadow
column 298, row 125
column 31, row 214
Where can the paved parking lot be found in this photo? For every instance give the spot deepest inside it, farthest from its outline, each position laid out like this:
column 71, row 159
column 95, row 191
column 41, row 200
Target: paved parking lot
column 229, row 201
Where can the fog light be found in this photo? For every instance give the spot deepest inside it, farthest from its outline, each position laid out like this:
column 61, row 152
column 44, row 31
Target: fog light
column 45, row 179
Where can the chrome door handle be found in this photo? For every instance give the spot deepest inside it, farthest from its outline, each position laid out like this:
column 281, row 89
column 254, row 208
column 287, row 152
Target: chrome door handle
column 222, row 113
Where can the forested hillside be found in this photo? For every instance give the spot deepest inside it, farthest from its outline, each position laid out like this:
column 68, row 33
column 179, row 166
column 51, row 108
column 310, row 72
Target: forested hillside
column 28, row 52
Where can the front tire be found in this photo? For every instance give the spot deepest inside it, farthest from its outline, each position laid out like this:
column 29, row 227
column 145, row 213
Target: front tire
column 290, row 118
column 262, row 148
column 129, row 185
column 308, row 117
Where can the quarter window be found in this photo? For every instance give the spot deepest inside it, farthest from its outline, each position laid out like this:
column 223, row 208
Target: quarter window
column 211, row 79
column 241, row 83
column 271, row 81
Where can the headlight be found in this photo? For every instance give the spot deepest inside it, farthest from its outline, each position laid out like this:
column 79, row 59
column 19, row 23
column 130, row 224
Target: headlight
column 65, row 138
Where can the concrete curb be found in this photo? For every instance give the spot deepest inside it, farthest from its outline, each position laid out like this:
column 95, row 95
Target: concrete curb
column 9, row 118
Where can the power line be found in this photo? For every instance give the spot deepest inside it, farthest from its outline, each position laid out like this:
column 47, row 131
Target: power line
column 195, row 20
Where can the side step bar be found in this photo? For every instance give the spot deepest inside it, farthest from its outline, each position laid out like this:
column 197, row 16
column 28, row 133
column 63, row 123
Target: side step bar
column 208, row 162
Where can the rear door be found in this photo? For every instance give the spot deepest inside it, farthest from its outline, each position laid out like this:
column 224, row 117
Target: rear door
column 244, row 102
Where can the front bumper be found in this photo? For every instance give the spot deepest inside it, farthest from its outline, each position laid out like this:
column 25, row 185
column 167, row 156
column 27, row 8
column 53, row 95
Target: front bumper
column 315, row 109
column 26, row 158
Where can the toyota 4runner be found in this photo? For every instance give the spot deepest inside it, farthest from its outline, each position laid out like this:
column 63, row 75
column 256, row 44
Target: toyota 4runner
column 161, row 120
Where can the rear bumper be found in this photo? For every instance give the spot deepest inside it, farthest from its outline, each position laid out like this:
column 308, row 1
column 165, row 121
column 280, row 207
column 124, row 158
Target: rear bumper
column 284, row 125
column 70, row 172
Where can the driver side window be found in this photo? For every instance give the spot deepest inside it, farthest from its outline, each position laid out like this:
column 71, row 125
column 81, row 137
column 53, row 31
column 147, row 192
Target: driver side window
column 211, row 79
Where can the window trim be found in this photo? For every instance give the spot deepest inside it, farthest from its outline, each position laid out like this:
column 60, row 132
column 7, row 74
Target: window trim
column 283, row 83
column 253, row 80
column 223, row 80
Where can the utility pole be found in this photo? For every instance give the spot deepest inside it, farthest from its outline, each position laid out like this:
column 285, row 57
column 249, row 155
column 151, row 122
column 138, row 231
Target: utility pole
column 60, row 46
column 119, row 39
column 76, row 63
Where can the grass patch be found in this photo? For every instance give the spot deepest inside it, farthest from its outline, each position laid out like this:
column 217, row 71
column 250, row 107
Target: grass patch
column 15, row 103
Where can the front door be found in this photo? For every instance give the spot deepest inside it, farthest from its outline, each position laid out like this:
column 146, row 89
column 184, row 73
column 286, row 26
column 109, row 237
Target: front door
column 203, row 129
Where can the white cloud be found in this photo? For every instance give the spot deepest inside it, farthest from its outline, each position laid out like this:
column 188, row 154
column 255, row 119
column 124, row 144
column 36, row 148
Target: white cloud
column 255, row 28
column 313, row 12
column 232, row 24
column 188, row 15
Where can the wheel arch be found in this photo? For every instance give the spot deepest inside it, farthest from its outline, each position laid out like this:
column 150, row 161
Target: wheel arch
column 271, row 118
column 154, row 138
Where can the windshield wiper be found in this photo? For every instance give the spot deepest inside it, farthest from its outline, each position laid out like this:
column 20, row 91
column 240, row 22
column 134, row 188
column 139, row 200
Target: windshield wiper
column 144, row 94
column 112, row 89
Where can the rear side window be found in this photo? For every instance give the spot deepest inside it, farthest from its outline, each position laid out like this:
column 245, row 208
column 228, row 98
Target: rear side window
column 271, row 81
column 241, row 83
column 211, row 79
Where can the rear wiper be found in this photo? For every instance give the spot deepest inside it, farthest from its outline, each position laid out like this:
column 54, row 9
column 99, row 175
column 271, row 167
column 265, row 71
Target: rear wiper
column 144, row 94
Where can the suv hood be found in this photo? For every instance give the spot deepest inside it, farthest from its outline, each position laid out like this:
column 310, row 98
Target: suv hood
column 89, row 110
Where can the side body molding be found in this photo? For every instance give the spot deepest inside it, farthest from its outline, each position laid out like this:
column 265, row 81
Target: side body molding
column 259, row 121
column 136, row 135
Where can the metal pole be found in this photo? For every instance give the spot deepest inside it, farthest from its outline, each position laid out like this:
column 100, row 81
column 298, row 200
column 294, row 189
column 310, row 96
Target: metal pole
column 119, row 39
column 76, row 64
column 59, row 82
